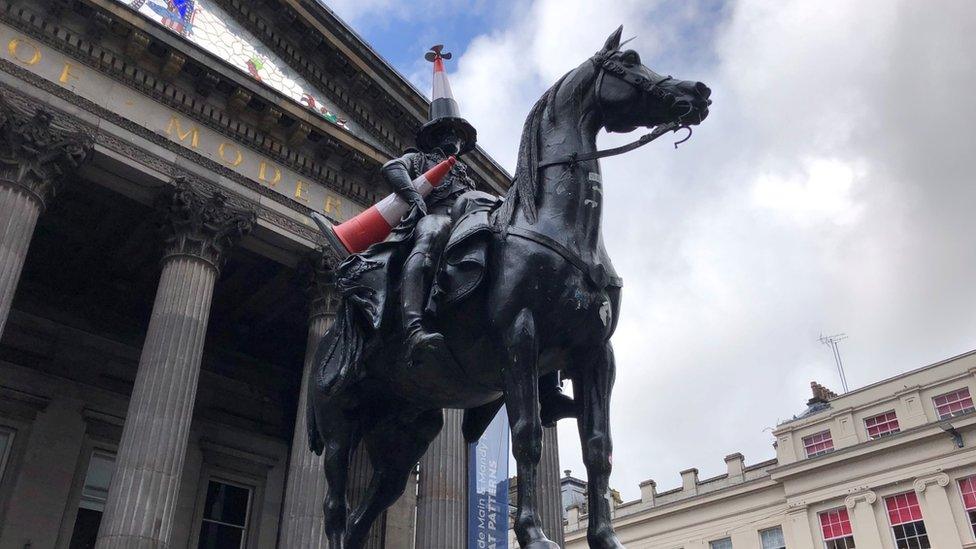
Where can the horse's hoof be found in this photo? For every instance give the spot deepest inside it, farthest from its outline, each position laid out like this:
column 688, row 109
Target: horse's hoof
column 542, row 544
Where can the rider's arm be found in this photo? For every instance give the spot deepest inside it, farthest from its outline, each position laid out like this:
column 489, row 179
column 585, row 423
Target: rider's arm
column 397, row 174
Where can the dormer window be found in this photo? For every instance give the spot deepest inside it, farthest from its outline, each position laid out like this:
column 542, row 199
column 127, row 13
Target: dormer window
column 953, row 404
column 818, row 444
column 882, row 425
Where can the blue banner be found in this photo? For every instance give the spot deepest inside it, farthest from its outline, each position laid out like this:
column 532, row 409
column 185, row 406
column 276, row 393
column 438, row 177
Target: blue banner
column 488, row 487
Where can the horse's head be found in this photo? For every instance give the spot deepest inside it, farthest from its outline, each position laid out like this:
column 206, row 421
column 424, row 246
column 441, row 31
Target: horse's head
column 630, row 95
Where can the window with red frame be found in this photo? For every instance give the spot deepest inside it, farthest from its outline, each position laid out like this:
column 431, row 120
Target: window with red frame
column 907, row 525
column 818, row 444
column 953, row 404
column 968, row 488
column 882, row 425
column 836, row 527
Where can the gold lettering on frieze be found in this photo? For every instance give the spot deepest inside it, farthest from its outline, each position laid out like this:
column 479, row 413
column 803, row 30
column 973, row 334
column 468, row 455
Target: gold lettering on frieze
column 333, row 205
column 301, row 191
column 16, row 46
column 236, row 157
column 66, row 74
column 263, row 174
column 174, row 128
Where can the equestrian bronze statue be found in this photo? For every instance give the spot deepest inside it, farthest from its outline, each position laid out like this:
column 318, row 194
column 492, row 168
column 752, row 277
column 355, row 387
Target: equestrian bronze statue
column 509, row 291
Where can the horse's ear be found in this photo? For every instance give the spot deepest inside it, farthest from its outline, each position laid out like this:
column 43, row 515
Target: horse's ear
column 614, row 41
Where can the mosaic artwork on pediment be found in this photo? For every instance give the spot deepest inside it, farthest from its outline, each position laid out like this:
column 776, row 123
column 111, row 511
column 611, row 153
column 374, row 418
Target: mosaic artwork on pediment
column 208, row 26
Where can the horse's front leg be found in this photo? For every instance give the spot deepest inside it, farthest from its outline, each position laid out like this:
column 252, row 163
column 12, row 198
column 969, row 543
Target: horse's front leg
column 522, row 401
column 592, row 383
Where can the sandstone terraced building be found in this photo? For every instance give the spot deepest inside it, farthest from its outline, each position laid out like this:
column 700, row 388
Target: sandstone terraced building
column 887, row 466
column 161, row 281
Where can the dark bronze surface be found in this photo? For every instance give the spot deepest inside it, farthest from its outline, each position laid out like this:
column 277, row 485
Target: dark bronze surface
column 535, row 311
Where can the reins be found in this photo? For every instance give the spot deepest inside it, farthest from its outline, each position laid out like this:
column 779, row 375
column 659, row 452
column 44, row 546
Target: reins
column 605, row 64
column 575, row 158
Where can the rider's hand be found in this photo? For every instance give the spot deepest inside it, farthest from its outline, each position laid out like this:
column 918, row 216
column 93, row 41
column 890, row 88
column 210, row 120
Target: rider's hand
column 417, row 201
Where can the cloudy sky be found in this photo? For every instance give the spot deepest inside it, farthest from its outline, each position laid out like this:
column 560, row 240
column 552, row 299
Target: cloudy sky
column 831, row 190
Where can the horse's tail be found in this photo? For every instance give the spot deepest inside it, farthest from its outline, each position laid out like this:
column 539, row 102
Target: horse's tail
column 338, row 360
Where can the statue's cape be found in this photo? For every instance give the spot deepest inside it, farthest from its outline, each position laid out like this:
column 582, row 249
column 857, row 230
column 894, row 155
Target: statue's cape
column 364, row 281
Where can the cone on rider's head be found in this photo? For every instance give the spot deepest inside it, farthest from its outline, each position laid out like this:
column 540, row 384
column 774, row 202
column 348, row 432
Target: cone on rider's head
column 375, row 224
column 445, row 115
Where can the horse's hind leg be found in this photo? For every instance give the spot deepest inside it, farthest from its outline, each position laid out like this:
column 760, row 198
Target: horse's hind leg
column 592, row 383
column 394, row 449
column 522, row 401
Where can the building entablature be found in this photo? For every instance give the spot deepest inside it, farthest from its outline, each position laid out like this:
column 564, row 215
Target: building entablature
column 101, row 57
column 925, row 396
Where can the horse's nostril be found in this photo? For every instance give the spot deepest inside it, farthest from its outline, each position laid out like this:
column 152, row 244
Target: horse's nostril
column 703, row 90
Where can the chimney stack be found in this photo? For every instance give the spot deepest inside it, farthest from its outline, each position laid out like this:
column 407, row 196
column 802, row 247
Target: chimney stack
column 821, row 394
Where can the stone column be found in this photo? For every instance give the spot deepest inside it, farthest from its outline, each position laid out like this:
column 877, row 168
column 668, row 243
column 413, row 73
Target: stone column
column 360, row 472
column 200, row 229
column 860, row 507
column 54, row 445
column 936, row 510
column 302, row 520
column 401, row 518
column 441, row 495
column 550, row 495
column 36, row 156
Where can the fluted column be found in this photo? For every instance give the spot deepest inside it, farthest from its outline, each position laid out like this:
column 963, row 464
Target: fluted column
column 200, row 228
column 360, row 471
column 36, row 155
column 550, row 495
column 441, row 497
column 302, row 520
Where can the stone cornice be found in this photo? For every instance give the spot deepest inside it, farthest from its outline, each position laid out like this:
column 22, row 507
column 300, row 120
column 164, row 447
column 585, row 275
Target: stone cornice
column 165, row 166
column 121, row 68
column 36, row 152
column 202, row 223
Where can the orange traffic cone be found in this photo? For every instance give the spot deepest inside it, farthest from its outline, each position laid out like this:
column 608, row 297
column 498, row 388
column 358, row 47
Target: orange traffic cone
column 375, row 224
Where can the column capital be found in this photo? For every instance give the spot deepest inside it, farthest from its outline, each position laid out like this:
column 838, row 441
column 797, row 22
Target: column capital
column 922, row 483
column 36, row 152
column 865, row 495
column 317, row 272
column 201, row 223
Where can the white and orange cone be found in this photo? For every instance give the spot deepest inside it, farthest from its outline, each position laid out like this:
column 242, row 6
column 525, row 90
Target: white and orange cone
column 376, row 222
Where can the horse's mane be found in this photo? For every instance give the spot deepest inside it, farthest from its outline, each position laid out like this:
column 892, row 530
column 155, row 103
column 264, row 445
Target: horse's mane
column 525, row 186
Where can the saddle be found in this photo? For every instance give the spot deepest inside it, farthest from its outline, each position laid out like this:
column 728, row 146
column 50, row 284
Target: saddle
column 465, row 256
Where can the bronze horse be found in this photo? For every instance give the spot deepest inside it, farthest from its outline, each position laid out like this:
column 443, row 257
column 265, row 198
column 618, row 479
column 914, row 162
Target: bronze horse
column 548, row 300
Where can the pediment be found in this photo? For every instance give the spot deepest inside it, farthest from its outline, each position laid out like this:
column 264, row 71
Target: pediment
column 206, row 25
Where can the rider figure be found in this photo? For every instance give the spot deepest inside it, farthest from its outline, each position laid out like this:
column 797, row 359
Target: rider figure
column 431, row 232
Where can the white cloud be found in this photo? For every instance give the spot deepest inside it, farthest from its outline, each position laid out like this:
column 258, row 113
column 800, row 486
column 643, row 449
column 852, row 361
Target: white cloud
column 830, row 190
column 827, row 192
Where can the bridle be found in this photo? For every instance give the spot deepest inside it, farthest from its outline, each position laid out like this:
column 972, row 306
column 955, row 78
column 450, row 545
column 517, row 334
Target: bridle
column 606, row 64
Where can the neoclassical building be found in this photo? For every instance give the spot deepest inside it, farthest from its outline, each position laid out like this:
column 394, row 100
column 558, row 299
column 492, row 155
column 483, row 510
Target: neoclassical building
column 161, row 283
column 888, row 466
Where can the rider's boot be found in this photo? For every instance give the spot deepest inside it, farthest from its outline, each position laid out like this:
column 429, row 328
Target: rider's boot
column 554, row 404
column 417, row 274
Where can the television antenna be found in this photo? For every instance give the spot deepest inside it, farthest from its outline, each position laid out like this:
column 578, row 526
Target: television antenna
column 831, row 341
